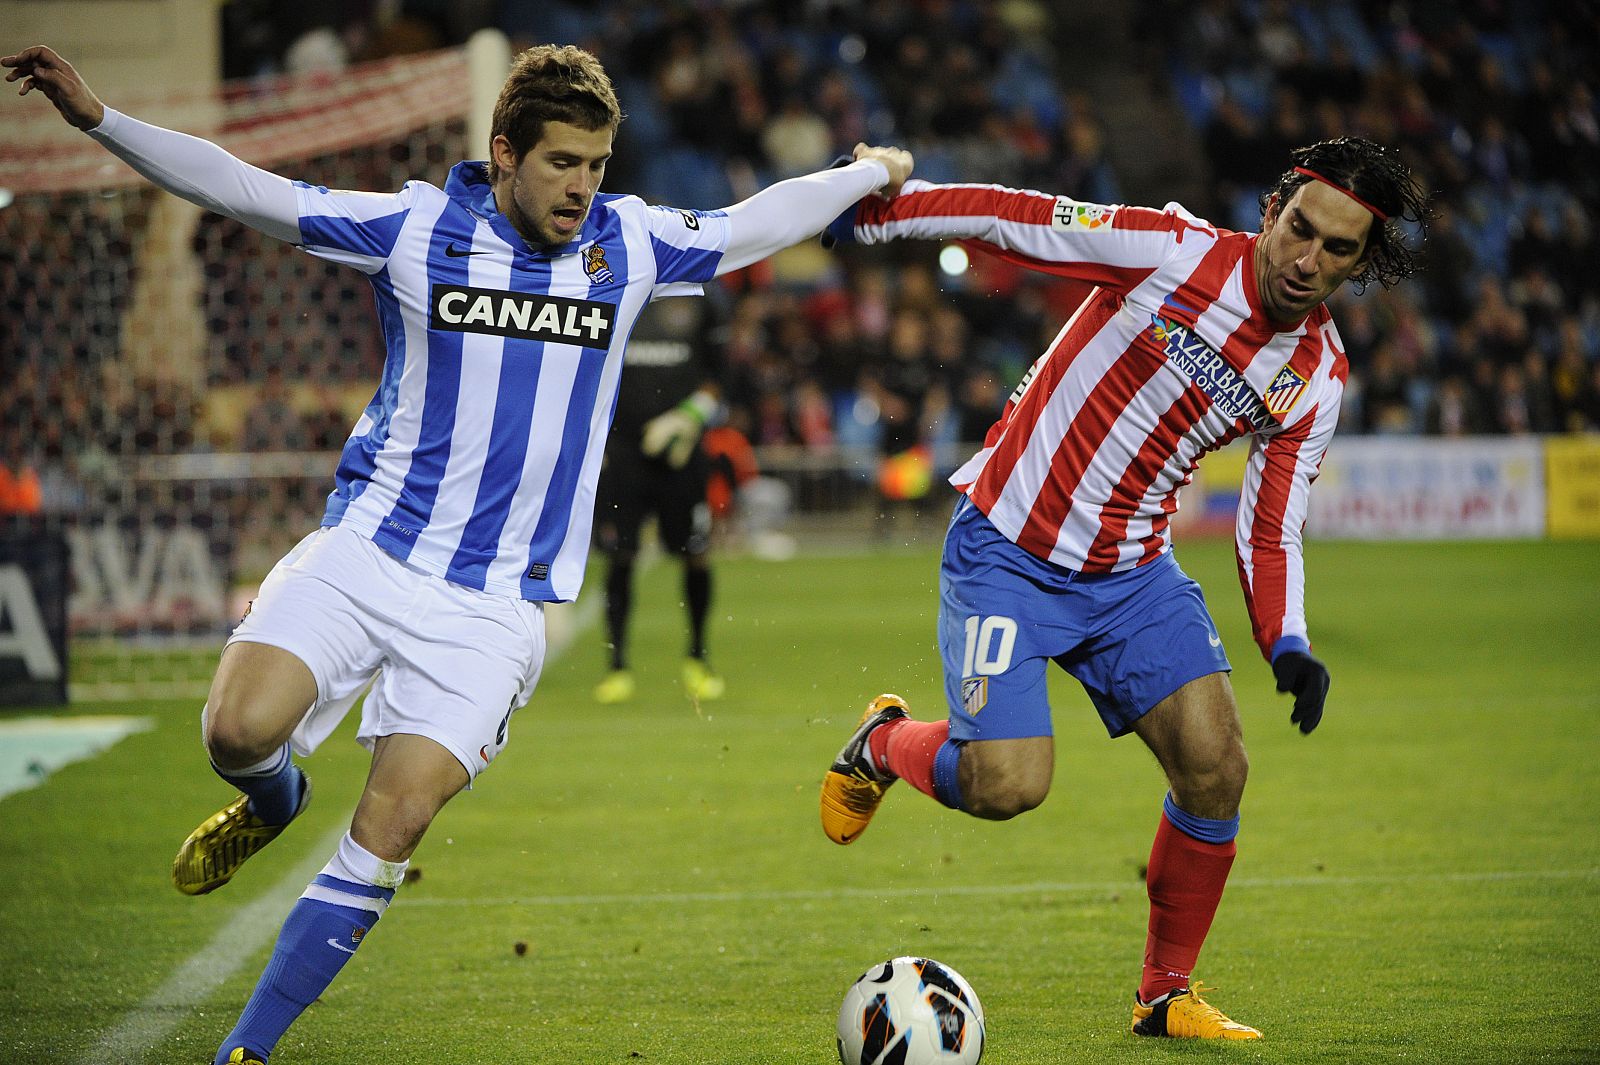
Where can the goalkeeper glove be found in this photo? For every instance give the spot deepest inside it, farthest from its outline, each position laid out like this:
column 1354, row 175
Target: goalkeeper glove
column 672, row 436
column 1307, row 678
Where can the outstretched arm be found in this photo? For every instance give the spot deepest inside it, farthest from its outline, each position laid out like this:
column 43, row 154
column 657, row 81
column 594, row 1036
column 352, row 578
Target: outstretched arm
column 791, row 211
column 1106, row 244
column 194, row 169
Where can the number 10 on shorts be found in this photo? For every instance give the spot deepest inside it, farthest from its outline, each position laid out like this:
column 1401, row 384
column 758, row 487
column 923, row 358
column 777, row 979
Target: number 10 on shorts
column 990, row 643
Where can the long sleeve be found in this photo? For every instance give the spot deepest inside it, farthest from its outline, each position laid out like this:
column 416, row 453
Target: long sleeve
column 1105, row 244
column 1273, row 504
column 791, row 211
column 203, row 173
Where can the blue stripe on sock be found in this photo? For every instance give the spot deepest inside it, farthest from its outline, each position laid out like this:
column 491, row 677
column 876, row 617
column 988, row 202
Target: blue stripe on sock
column 946, row 782
column 316, row 940
column 1203, row 829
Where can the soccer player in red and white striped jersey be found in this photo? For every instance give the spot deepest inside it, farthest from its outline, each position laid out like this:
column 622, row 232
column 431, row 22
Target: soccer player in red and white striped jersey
column 1060, row 548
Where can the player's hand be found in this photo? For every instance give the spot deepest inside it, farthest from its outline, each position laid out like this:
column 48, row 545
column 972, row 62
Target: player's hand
column 1307, row 678
column 898, row 161
column 40, row 68
column 672, row 436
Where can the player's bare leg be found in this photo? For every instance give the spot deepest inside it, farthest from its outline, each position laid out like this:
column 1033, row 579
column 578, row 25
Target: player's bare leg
column 993, row 779
column 1196, row 736
column 1003, row 778
column 258, row 696
column 411, row 779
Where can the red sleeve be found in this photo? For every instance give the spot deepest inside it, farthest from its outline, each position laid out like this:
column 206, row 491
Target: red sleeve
column 1273, row 504
column 1113, row 246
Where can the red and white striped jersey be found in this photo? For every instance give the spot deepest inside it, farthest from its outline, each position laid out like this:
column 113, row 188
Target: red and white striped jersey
column 1169, row 358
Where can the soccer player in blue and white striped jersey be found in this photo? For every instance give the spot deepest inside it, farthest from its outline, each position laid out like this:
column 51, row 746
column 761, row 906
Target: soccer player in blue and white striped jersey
column 464, row 495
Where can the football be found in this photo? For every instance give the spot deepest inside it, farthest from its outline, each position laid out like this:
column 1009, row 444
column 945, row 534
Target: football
column 910, row 1011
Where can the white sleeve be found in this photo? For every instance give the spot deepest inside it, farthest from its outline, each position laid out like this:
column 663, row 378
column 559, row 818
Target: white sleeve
column 203, row 174
column 790, row 211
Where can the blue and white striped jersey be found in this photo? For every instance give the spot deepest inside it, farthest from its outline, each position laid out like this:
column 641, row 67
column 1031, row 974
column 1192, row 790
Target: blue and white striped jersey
column 477, row 458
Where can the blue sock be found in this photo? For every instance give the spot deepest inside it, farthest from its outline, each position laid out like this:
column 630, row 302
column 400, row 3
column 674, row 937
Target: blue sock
column 1204, row 829
column 322, row 931
column 946, row 782
column 274, row 786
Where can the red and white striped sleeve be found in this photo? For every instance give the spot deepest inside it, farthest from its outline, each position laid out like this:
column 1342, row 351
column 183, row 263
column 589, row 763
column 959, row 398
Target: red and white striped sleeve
column 1109, row 245
column 1273, row 504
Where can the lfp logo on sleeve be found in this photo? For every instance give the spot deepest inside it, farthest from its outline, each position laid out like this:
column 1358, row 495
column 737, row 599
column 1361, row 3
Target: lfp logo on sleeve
column 1072, row 215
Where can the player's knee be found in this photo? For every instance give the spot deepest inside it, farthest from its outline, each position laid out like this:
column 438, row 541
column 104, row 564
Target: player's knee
column 392, row 823
column 1234, row 770
column 1003, row 778
column 259, row 695
column 1001, row 793
column 1213, row 786
column 234, row 738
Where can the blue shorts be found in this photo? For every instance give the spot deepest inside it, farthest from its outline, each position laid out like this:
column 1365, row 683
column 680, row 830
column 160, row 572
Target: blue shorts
column 1131, row 638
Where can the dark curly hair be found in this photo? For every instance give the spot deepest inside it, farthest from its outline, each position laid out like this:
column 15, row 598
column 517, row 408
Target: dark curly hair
column 1376, row 175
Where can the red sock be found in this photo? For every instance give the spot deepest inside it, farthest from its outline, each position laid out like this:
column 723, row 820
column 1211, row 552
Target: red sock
column 907, row 748
column 1185, row 881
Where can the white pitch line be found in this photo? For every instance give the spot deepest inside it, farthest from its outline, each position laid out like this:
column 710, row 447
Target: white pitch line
column 651, row 898
column 243, row 933
column 255, row 924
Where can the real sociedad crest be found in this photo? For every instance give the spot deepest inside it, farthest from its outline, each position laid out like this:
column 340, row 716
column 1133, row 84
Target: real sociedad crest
column 595, row 265
column 1284, row 391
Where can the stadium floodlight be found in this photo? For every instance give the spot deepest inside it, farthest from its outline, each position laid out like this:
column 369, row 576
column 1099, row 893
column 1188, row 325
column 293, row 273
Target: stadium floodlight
column 953, row 260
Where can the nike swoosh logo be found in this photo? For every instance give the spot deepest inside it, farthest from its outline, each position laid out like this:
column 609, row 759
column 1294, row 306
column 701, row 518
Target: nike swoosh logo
column 459, row 253
column 339, row 946
column 1216, row 641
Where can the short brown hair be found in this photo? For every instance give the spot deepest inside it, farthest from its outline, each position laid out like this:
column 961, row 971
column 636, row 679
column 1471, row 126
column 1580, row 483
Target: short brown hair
column 552, row 83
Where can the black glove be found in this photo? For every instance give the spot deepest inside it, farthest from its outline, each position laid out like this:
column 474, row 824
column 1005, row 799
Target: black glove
column 1298, row 672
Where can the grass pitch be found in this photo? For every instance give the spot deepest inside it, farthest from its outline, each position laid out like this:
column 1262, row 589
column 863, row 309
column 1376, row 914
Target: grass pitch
column 1418, row 881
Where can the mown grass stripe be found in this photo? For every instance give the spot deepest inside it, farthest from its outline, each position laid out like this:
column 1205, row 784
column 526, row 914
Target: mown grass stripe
column 673, row 898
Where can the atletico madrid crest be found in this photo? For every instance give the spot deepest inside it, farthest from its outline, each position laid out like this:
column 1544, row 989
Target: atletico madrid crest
column 974, row 694
column 1284, row 392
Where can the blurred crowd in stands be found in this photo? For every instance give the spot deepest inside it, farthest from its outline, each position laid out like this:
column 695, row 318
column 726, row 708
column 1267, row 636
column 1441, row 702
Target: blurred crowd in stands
column 1493, row 104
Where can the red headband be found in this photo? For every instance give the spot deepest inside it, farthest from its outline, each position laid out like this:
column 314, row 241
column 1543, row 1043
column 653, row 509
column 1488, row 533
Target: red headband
column 1335, row 185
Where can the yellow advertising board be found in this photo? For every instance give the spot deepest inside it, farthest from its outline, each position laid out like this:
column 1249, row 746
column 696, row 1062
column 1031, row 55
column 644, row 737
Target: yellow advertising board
column 1572, row 486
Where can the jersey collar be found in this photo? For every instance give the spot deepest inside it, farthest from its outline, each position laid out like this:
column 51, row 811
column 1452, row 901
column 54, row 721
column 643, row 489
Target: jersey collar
column 468, row 185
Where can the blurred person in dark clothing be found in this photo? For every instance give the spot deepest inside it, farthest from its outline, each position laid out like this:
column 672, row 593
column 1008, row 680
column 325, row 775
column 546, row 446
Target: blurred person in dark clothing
column 654, row 465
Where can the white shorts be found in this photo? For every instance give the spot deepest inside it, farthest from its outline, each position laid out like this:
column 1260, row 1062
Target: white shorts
column 444, row 661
